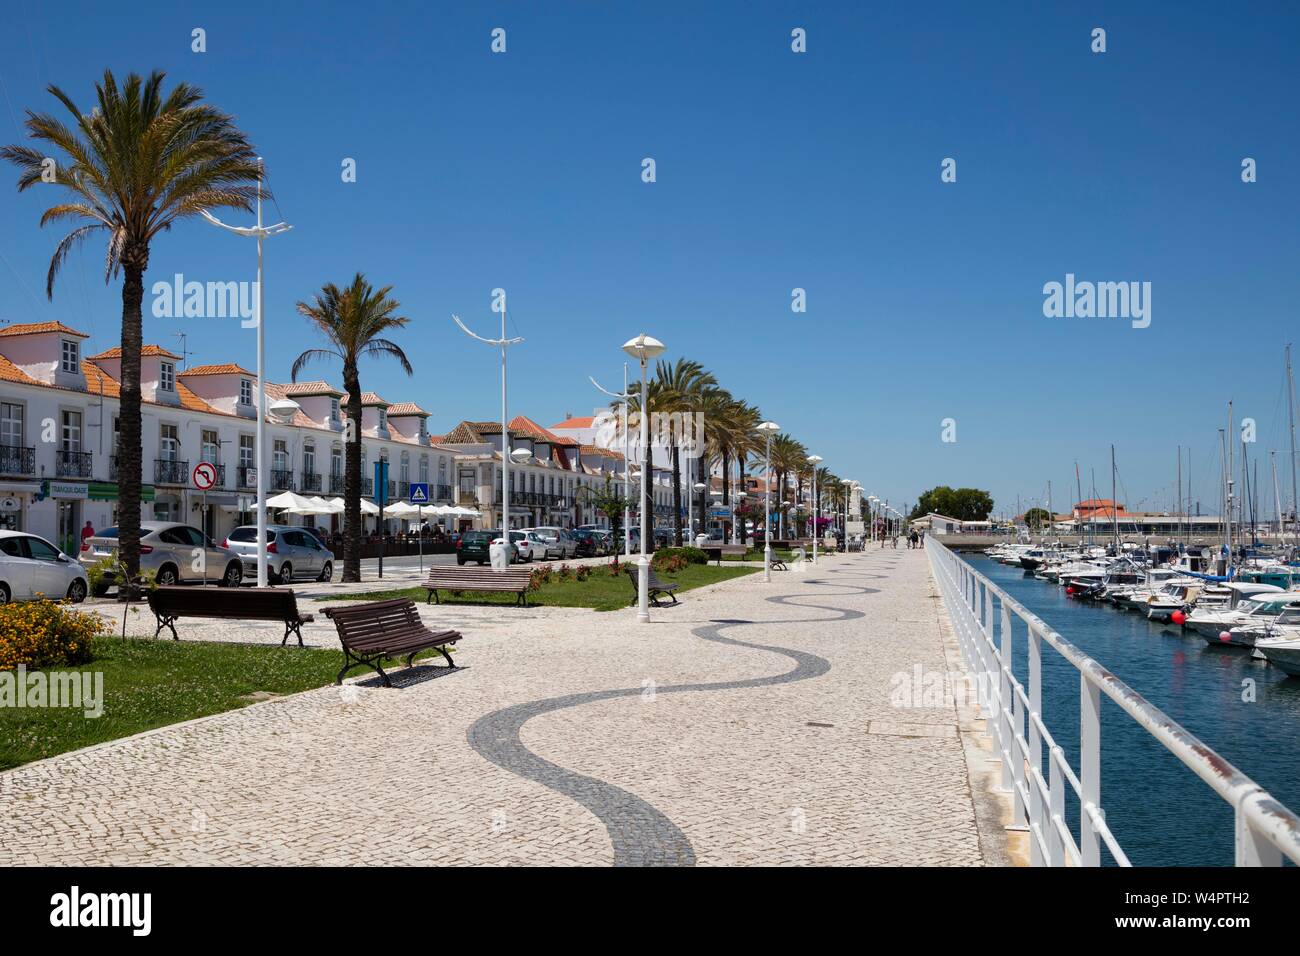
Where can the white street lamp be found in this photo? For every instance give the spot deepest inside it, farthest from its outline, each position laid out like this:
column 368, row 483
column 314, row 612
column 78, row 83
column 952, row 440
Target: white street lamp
column 643, row 348
column 503, row 343
column 260, row 232
column 700, row 488
column 627, row 464
column 815, row 460
column 769, row 428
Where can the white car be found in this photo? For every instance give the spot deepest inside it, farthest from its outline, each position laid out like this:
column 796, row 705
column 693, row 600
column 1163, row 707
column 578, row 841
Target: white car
column 559, row 542
column 529, row 545
column 31, row 569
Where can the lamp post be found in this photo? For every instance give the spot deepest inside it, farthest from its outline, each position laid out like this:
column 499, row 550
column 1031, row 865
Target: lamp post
column 769, row 428
column 872, row 500
column 700, row 488
column 814, row 460
column 643, row 348
column 260, row 232
column 627, row 464
column 503, row 343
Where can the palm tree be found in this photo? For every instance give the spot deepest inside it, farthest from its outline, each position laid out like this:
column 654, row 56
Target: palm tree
column 134, row 165
column 353, row 320
column 682, row 386
column 788, row 456
column 747, row 441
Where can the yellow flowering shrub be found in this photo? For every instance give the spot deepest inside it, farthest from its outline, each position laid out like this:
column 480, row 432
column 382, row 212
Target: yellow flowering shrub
column 46, row 634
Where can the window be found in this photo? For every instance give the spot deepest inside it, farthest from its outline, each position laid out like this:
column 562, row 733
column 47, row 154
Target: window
column 71, row 356
column 246, row 451
column 72, row 431
column 211, row 446
column 404, row 469
column 424, row 469
column 245, row 392
column 336, row 460
column 383, row 420
column 166, row 376
column 309, row 458
column 334, row 409
column 281, row 455
column 11, row 425
column 168, row 444
column 41, row 550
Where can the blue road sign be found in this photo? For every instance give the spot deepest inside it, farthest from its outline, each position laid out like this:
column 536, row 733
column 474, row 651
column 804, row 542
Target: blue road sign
column 419, row 492
column 381, row 482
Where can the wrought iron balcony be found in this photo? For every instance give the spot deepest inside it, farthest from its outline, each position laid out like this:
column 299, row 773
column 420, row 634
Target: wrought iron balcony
column 167, row 471
column 310, row 481
column 16, row 460
column 281, row 479
column 336, row 484
column 444, row 492
column 244, row 473
column 72, row 464
column 367, row 487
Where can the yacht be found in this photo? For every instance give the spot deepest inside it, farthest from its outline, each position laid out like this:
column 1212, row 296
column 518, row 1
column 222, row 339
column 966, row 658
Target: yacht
column 1261, row 621
column 1210, row 619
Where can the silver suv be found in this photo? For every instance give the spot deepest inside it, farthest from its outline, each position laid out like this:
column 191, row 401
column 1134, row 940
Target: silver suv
column 175, row 552
column 290, row 553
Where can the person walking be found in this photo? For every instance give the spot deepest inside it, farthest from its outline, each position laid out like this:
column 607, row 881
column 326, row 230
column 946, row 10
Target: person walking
column 87, row 532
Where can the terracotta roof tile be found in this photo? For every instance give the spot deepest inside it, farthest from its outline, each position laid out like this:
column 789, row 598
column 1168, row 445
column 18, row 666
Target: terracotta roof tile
column 312, row 388
column 149, row 351
column 405, row 408
column 575, row 423
column 98, row 380
column 9, row 372
column 35, row 328
column 228, row 368
column 371, row 398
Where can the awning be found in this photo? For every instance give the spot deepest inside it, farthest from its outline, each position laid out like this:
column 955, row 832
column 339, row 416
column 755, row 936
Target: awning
column 218, row 499
column 107, row 491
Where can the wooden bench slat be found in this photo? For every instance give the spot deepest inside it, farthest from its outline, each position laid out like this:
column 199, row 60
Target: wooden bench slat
column 372, row 631
column 172, row 602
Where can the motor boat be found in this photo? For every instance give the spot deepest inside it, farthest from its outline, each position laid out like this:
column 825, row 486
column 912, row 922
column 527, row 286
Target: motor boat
column 1262, row 621
column 1211, row 619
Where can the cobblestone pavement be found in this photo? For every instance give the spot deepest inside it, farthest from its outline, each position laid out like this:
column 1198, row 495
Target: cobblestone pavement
column 753, row 724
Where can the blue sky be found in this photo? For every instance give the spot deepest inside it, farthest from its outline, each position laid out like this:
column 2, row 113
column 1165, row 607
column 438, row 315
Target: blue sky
column 775, row 171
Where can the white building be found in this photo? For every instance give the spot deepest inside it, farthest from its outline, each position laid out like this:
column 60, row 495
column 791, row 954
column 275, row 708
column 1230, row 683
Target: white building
column 58, row 439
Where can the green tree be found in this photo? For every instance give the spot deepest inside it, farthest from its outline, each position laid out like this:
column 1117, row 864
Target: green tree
column 135, row 165
column 1036, row 518
column 353, row 320
column 964, row 504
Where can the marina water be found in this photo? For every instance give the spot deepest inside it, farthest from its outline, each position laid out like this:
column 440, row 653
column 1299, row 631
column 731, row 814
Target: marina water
column 1161, row 813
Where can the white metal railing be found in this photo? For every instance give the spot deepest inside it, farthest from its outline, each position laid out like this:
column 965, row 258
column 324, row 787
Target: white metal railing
column 1265, row 830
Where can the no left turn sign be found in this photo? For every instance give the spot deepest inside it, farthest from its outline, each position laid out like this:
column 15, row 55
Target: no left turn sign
column 204, row 476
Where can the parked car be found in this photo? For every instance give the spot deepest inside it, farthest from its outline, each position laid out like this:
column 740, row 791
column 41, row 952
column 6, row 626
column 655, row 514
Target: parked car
column 473, row 546
column 290, row 553
column 589, row 543
column 560, row 542
column 175, row 552
column 528, row 546
column 31, row 568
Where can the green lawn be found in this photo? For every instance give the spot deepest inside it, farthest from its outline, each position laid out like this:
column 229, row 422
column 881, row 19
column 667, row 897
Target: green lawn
column 151, row 683
column 601, row 591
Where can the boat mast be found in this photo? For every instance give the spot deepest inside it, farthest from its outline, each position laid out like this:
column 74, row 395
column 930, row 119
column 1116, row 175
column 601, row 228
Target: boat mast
column 1178, row 509
column 1277, row 499
column 1290, row 414
column 1114, row 502
column 1078, row 489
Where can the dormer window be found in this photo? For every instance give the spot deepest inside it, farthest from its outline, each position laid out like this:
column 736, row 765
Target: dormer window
column 383, row 420
column 166, row 376
column 71, row 356
column 334, row 409
column 245, row 392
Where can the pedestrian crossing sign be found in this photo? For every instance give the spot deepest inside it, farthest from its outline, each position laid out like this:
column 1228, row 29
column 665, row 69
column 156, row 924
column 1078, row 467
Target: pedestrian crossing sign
column 419, row 493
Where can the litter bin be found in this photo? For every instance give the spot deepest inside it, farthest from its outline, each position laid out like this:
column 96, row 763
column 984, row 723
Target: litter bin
column 499, row 554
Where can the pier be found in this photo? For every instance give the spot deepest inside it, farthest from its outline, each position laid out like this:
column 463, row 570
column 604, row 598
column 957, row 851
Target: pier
column 755, row 723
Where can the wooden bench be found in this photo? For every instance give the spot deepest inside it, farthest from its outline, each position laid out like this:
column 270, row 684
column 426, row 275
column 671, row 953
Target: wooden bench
column 375, row 630
column 717, row 551
column 244, row 604
column 447, row 578
column 654, row 586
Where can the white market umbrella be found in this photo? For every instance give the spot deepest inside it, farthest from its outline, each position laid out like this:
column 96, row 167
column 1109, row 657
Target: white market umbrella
column 288, row 499
column 327, row 507
column 401, row 509
column 367, row 507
